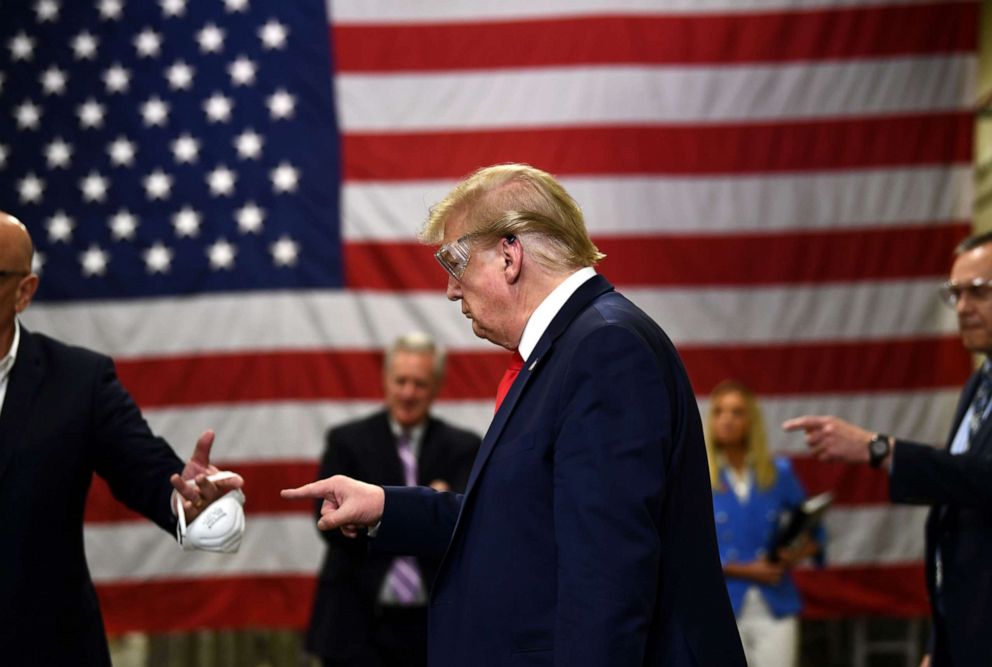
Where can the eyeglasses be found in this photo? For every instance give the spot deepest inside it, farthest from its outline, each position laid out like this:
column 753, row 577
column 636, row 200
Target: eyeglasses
column 454, row 256
column 978, row 289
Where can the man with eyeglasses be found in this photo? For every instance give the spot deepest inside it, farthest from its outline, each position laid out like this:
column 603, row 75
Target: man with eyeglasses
column 63, row 416
column 585, row 536
column 955, row 480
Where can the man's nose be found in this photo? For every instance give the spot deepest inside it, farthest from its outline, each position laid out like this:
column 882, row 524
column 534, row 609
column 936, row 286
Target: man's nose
column 454, row 291
column 964, row 303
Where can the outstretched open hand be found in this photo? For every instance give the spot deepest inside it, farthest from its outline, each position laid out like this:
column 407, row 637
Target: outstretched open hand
column 193, row 488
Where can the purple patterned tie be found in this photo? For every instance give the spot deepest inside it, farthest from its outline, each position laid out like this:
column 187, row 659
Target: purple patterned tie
column 404, row 575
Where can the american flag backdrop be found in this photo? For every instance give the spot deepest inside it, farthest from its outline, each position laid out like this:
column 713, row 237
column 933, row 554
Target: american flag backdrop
column 224, row 195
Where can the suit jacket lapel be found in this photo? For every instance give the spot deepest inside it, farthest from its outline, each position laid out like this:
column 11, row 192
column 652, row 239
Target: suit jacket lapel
column 587, row 292
column 382, row 444
column 22, row 385
column 967, row 396
column 983, row 436
column 430, row 453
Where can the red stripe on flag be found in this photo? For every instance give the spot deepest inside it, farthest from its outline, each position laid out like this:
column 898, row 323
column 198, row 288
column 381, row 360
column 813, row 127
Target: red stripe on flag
column 830, row 368
column 750, row 148
column 334, row 374
column 888, row 590
column 851, row 484
column 732, row 38
column 917, row 363
column 785, row 258
column 263, row 482
column 807, row 368
column 697, row 260
column 218, row 603
column 177, row 605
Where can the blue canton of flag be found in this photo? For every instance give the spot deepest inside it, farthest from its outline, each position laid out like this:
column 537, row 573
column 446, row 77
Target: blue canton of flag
column 171, row 147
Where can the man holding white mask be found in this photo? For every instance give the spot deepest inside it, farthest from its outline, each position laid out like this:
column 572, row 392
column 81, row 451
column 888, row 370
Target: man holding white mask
column 63, row 416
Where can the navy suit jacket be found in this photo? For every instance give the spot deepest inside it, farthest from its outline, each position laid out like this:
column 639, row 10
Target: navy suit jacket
column 65, row 417
column 350, row 579
column 586, row 534
column 959, row 490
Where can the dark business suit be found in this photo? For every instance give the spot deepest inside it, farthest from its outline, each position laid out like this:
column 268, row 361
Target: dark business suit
column 65, row 417
column 586, row 534
column 345, row 609
column 959, row 489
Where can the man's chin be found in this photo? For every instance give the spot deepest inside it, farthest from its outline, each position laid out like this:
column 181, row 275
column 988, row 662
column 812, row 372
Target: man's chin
column 487, row 334
column 408, row 421
column 977, row 343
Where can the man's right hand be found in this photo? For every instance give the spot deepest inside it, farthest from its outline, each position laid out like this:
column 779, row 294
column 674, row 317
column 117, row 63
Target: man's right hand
column 831, row 438
column 348, row 503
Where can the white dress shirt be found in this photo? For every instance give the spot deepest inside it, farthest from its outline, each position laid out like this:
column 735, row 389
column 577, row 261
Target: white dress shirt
column 7, row 363
column 960, row 443
column 415, row 434
column 541, row 318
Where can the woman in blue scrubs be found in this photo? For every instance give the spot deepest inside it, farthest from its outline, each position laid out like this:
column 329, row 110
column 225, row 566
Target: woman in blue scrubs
column 751, row 490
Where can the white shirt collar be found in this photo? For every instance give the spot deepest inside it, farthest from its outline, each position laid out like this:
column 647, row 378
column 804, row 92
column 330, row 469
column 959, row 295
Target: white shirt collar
column 8, row 360
column 541, row 318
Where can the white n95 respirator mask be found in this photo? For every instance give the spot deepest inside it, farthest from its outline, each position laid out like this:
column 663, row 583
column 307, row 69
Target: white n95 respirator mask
column 219, row 527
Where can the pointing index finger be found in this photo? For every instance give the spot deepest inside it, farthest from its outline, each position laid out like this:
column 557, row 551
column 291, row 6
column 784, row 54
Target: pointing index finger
column 311, row 490
column 806, row 422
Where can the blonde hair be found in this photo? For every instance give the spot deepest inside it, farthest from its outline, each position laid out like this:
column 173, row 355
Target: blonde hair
column 522, row 201
column 759, row 459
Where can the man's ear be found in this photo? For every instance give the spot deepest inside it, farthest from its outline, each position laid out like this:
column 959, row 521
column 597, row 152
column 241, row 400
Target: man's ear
column 25, row 292
column 513, row 257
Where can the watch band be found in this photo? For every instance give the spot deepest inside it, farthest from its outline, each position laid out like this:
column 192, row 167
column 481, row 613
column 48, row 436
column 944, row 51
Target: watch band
column 879, row 448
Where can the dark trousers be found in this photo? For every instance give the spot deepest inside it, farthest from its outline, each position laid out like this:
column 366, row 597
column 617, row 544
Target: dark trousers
column 399, row 639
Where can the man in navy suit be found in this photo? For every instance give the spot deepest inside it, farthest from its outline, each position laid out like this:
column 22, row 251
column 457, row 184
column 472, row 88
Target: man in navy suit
column 585, row 536
column 63, row 416
column 955, row 480
column 371, row 608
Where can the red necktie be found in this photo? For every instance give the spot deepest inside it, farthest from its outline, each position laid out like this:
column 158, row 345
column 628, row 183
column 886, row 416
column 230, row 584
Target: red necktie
column 516, row 363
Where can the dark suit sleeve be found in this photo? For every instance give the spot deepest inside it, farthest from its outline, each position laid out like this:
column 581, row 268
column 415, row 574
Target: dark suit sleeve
column 611, row 458
column 135, row 463
column 925, row 475
column 417, row 521
column 465, row 447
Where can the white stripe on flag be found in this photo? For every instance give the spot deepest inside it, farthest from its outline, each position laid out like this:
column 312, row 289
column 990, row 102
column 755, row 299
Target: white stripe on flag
column 875, row 535
column 621, row 206
column 345, row 12
column 557, row 96
column 272, row 431
column 370, row 320
column 139, row 550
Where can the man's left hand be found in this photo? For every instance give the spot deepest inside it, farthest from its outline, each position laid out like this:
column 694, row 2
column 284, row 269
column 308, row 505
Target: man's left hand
column 192, row 485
